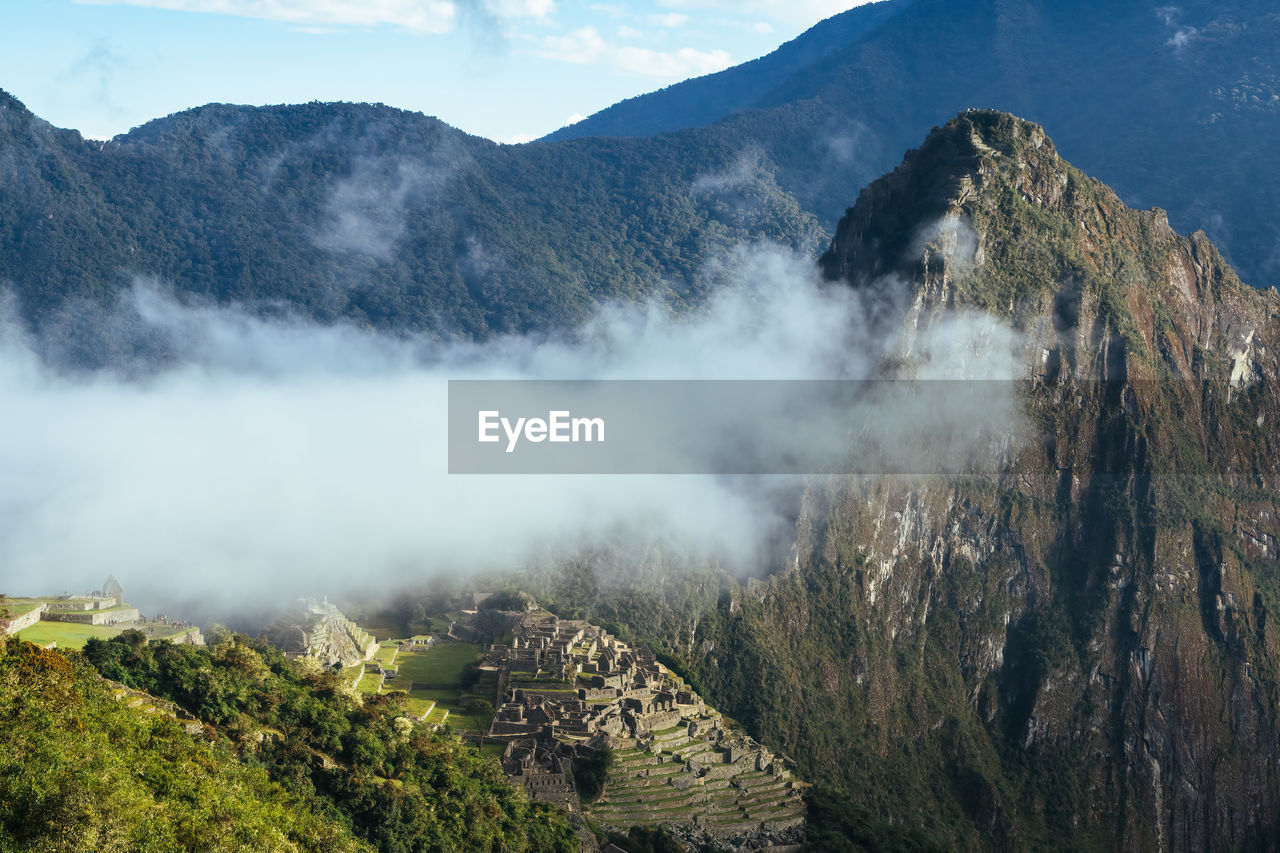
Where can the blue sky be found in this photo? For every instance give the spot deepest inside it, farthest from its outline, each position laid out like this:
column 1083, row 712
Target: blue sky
column 510, row 70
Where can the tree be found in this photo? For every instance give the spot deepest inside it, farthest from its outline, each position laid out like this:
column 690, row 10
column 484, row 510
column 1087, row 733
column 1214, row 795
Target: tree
column 590, row 773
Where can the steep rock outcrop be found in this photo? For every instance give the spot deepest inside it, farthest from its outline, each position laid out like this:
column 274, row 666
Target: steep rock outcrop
column 1075, row 651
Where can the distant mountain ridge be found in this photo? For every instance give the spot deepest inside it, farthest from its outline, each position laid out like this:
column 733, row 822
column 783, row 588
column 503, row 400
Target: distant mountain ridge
column 363, row 213
column 704, row 100
column 1168, row 103
column 385, row 218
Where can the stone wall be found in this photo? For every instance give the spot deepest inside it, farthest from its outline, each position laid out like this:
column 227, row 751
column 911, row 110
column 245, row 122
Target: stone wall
column 94, row 617
column 26, row 620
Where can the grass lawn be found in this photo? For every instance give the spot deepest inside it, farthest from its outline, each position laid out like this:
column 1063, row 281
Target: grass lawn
column 19, row 608
column 386, row 654
column 420, row 705
column 449, row 700
column 464, row 722
column 439, row 666
column 494, row 749
column 369, row 682
column 68, row 635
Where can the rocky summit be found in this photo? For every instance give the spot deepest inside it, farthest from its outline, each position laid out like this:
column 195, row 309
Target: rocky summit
column 1074, row 651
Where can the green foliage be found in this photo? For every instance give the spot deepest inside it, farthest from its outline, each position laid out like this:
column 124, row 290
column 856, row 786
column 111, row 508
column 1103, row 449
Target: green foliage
column 261, row 206
column 839, row 824
column 398, row 786
column 644, row 839
column 82, row 770
column 590, row 773
column 480, row 708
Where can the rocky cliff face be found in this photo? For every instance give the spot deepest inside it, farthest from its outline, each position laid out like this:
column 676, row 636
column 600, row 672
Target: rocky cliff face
column 1109, row 592
column 1074, row 652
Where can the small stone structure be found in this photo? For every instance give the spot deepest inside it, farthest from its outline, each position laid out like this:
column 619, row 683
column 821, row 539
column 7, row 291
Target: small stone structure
column 543, row 769
column 105, row 607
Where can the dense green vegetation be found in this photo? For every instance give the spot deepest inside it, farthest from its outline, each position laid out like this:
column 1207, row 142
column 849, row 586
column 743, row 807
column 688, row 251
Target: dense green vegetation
column 357, row 760
column 590, row 773
column 362, row 213
column 839, row 825
column 83, row 770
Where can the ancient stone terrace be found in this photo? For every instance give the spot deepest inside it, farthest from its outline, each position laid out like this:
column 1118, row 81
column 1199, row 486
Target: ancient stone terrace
column 571, row 686
column 708, row 781
column 318, row 629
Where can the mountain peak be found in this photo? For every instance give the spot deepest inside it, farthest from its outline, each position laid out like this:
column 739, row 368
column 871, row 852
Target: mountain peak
column 974, row 154
column 989, row 132
column 986, row 215
column 13, row 113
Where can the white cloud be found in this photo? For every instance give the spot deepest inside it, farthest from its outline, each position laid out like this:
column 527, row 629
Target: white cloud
column 685, row 62
column 626, row 32
column 586, row 46
column 669, row 20
column 419, row 16
column 574, row 119
column 581, row 47
column 803, row 12
column 272, row 458
column 520, row 138
column 1183, row 37
column 523, row 8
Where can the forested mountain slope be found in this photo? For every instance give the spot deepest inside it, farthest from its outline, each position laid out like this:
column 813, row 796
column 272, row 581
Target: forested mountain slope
column 274, row 755
column 382, row 217
column 1076, row 652
column 369, row 214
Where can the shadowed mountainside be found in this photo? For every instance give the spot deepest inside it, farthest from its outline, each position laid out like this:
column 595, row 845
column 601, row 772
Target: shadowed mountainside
column 1077, row 652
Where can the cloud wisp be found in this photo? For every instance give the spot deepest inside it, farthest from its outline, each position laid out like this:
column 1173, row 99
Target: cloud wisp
column 417, row 16
column 586, row 46
column 235, row 457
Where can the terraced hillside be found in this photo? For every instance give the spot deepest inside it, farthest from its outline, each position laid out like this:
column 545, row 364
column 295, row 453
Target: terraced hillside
column 574, row 692
column 675, row 778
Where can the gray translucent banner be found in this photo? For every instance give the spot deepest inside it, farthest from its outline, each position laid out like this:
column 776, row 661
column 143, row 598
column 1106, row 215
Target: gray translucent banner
column 731, row 427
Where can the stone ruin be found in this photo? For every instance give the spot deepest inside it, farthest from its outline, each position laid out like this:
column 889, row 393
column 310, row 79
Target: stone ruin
column 105, row 607
column 544, row 769
column 318, row 629
column 616, row 690
column 571, row 687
